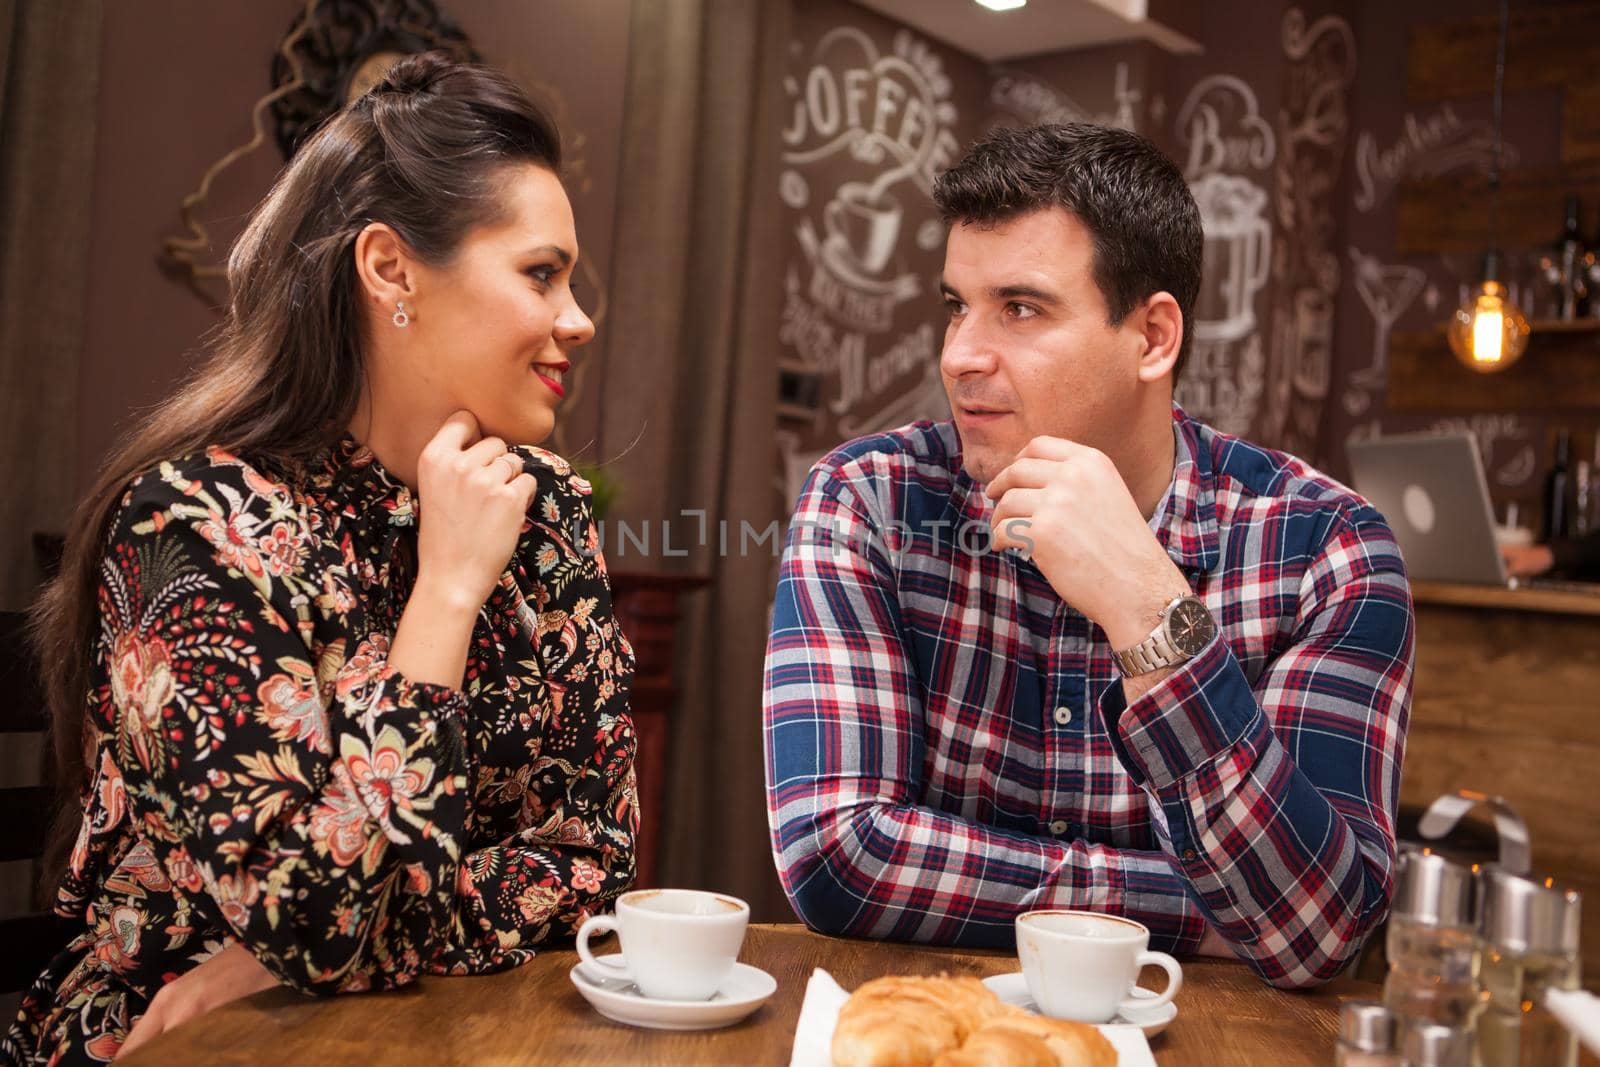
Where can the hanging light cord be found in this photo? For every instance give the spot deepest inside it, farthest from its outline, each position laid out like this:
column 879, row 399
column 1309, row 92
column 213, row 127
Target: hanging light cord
column 1499, row 94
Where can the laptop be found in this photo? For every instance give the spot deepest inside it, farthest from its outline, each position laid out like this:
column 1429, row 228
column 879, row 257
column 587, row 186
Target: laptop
column 1431, row 489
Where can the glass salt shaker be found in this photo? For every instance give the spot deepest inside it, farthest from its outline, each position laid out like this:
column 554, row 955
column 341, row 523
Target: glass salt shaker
column 1368, row 1035
column 1433, row 944
column 1530, row 932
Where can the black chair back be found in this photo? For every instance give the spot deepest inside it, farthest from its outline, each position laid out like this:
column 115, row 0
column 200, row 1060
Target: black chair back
column 32, row 938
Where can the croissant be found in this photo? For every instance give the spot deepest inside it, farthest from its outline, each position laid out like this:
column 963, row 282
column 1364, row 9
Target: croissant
column 1024, row 1040
column 955, row 1022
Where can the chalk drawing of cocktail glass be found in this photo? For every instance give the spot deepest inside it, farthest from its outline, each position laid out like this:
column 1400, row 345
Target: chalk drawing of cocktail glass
column 1237, row 255
column 1387, row 290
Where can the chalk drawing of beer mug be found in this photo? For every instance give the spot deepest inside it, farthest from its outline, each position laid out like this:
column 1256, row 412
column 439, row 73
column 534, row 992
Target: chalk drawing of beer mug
column 1237, row 255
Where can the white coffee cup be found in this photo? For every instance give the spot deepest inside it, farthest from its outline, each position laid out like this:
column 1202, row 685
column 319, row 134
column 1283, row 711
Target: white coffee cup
column 677, row 944
column 1081, row 965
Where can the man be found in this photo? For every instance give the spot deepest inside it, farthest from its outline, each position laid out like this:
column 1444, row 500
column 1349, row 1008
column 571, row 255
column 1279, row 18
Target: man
column 1574, row 557
column 950, row 739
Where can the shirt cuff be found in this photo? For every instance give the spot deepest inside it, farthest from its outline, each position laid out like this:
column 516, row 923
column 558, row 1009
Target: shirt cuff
column 1200, row 710
column 440, row 700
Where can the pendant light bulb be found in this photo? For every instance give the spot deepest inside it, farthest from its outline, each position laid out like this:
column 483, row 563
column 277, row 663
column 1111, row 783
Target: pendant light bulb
column 1488, row 332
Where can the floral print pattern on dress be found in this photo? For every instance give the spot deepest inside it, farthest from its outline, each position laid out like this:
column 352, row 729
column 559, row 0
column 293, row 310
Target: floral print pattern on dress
column 261, row 774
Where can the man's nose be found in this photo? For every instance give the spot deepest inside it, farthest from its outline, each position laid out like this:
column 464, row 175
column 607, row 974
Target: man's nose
column 967, row 350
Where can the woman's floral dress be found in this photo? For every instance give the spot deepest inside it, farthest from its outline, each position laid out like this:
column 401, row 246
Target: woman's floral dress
column 260, row 774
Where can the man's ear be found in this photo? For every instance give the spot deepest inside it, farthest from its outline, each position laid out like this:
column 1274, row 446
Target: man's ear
column 1161, row 327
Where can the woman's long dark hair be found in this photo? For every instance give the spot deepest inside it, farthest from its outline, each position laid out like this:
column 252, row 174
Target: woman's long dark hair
column 422, row 151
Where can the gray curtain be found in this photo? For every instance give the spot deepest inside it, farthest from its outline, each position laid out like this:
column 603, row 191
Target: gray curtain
column 49, row 78
column 49, row 81
column 697, row 295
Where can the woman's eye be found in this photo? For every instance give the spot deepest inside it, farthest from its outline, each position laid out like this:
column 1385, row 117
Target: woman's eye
column 542, row 275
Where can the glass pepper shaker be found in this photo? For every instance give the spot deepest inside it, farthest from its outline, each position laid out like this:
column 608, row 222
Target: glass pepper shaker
column 1530, row 932
column 1433, row 944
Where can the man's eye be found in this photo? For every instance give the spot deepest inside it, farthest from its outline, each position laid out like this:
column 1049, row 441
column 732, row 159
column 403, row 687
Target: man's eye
column 1020, row 311
column 955, row 307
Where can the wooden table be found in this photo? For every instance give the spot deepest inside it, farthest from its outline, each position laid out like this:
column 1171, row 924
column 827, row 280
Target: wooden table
column 533, row 1015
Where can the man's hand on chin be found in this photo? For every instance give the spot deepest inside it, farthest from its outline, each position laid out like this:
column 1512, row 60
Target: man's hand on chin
column 1066, row 505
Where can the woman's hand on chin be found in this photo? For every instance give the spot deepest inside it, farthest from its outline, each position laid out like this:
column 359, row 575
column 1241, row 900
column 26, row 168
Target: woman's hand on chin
column 229, row 975
column 474, row 496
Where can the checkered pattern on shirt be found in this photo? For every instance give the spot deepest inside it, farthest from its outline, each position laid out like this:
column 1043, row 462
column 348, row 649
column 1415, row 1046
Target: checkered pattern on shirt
column 947, row 743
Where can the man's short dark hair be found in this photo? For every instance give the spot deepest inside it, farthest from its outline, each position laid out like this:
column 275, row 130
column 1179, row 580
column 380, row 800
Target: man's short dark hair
column 1131, row 198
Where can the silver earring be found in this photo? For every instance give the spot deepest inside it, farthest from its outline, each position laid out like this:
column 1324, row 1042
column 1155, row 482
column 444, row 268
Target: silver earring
column 401, row 319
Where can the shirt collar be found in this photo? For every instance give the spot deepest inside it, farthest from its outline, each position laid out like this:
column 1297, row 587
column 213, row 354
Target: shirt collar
column 1186, row 521
column 367, row 486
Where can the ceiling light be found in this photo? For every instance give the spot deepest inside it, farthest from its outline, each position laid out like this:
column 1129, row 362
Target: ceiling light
column 1002, row 5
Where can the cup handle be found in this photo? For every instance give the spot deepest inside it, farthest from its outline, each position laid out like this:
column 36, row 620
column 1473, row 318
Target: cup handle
column 599, row 924
column 1174, row 983
column 830, row 218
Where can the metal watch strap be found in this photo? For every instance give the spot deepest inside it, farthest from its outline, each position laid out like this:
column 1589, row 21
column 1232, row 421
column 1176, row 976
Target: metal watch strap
column 1154, row 652
column 1151, row 654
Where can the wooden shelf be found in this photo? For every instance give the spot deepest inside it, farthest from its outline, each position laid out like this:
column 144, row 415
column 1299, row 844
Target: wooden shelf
column 1560, row 371
column 1494, row 597
column 1564, row 325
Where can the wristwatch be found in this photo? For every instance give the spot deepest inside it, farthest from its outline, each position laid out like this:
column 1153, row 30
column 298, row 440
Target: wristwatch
column 1186, row 627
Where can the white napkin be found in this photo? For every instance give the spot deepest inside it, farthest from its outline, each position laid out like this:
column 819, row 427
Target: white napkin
column 1578, row 1010
column 819, row 1013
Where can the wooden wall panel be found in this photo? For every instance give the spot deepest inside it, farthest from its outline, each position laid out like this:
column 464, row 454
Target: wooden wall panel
column 1560, row 372
column 1547, row 46
column 1580, row 120
column 1451, row 214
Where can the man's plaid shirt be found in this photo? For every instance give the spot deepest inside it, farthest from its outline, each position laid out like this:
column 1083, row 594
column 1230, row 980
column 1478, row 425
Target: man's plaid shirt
column 947, row 742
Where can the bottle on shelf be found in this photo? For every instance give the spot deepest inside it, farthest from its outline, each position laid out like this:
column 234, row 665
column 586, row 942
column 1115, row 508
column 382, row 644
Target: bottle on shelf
column 1558, row 491
column 1562, row 271
column 1583, row 486
column 1589, row 273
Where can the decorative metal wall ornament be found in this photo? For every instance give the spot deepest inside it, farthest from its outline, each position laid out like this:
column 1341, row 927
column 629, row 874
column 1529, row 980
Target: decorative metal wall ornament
column 333, row 51
column 342, row 47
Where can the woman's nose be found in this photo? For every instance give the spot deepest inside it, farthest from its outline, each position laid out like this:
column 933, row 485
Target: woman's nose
column 573, row 327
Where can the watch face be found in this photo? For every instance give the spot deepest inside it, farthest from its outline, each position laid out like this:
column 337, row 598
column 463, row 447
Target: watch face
column 1190, row 627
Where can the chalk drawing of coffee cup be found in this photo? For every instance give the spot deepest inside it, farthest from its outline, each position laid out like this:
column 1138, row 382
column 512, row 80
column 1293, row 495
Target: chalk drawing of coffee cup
column 862, row 226
column 1237, row 256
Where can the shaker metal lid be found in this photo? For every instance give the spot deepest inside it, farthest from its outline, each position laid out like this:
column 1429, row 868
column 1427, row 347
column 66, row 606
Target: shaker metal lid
column 1431, row 889
column 1367, row 1026
column 1524, row 915
column 1432, row 1045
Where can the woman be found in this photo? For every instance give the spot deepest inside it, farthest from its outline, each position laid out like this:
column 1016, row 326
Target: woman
column 335, row 667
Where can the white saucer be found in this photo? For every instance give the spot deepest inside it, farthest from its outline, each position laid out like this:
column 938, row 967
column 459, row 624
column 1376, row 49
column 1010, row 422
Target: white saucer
column 1013, row 989
column 745, row 990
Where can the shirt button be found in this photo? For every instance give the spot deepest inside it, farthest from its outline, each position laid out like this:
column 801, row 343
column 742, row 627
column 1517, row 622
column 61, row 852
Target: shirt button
column 1063, row 716
column 1058, row 827
column 1188, row 853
